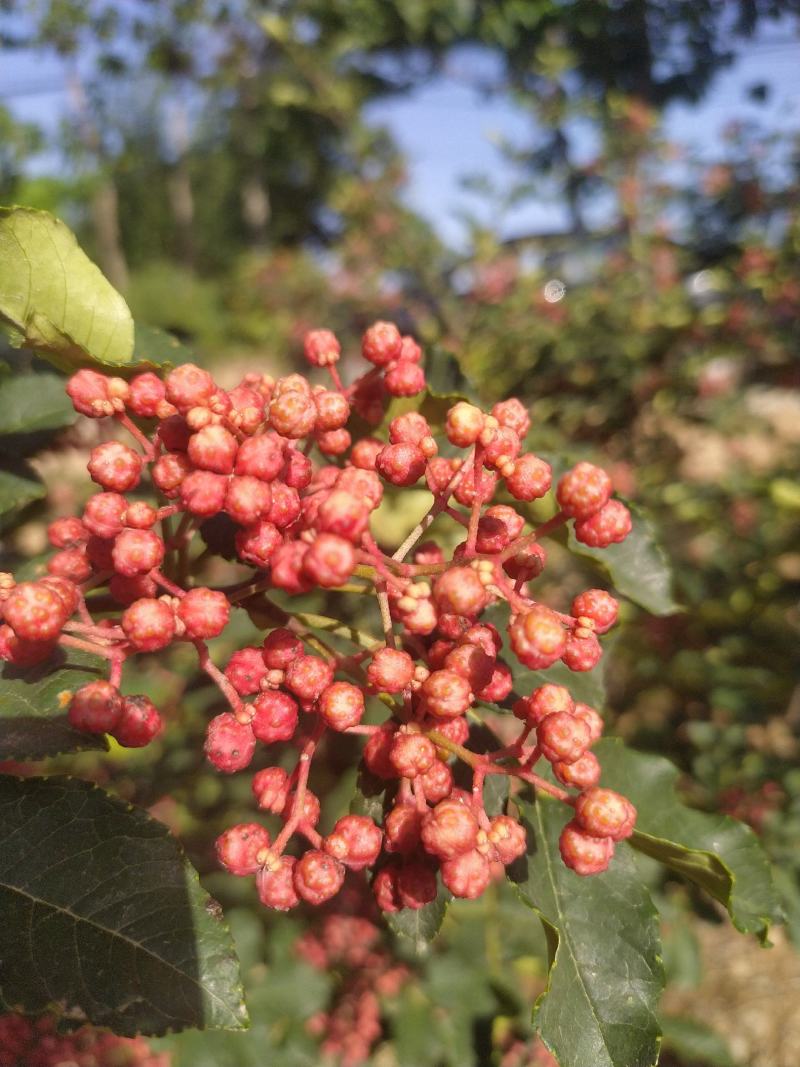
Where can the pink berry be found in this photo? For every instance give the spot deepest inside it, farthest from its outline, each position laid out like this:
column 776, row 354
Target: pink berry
column 583, row 853
column 530, row 478
column 147, row 391
column 464, row 424
column 377, row 752
column 188, row 386
column 546, row 700
column 318, row 877
column 104, row 514
column 562, row 738
column 137, row 552
column 21, row 652
column 213, row 449
column 610, row 525
column 341, row 705
column 513, row 414
column 204, row 613
column 381, row 343
column 437, row 782
column 598, row 606
column 384, row 887
column 582, row 774
column 321, row 348
column 401, row 827
column 401, row 464
column 467, row 489
column 582, row 653
column 583, row 490
column 333, row 411
column 330, row 561
column 592, row 719
column 148, row 624
column 89, row 394
column 449, row 829
column 238, row 848
column 168, row 472
column 410, row 351
column 365, row 453
column 35, row 612
column 247, row 499
column 275, row 717
column 71, row 563
column 140, row 515
column 508, row 838
column 344, row 514
column 95, row 708
column 411, row 754
column 115, row 467
column 604, row 813
column 127, row 590
column 203, row 493
column 67, row 533
column 467, row 875
column 287, row 568
column 309, row 816
column 138, row 724
column 499, row 685
column 447, row 695
column 355, row 841
column 275, row 884
column 281, row 647
column 246, row 670
column 257, row 544
column 390, row 670
column 260, row 457
column 459, row 591
column 472, row 663
column 65, row 589
column 416, row 885
column 285, row 508
column 307, row 676
column 538, row 637
column 174, row 433
column 271, row 788
column 229, row 743
column 293, row 414
column 405, row 379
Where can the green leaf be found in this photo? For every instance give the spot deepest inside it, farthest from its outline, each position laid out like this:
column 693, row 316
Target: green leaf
column 17, row 490
column 637, row 568
column 716, row 852
column 585, row 686
column 33, row 402
column 369, row 797
column 158, row 350
column 103, row 914
column 54, row 299
column 420, row 926
column 33, row 706
column 605, row 968
column 695, row 1042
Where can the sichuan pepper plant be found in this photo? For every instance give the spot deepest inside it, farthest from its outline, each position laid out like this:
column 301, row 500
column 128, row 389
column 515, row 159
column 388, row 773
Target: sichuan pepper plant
column 284, row 477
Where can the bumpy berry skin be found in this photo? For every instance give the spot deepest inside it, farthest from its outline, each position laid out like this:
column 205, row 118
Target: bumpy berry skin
column 89, row 394
column 318, row 876
column 401, row 827
column 321, row 348
column 281, row 647
column 341, row 705
column 538, row 638
column 260, row 457
column 275, row 885
column 467, row 875
column 229, row 744
column 330, row 561
column 546, row 700
column 384, row 887
column 598, row 606
column 563, row 738
column 213, row 449
column 20, row 652
column 592, row 719
column 137, row 552
column 71, row 563
column 127, row 590
column 68, row 532
column 377, row 751
column 115, row 467
column 512, row 414
column 189, row 386
column 35, row 612
column 401, row 464
column 202, row 493
column 275, row 717
column 390, row 670
column 405, row 379
column 138, row 724
column 411, row 754
column 464, row 424
column 604, row 813
column 582, row 653
column 582, row 774
column 148, row 624
column 459, row 591
column 293, row 414
column 146, row 393
column 381, row 343
column 449, row 829
column 168, row 472
column 246, row 670
column 258, row 543
column 608, row 526
column 271, row 788
column 583, row 853
column 310, row 814
column 583, row 490
column 355, row 841
column 247, row 499
column 95, row 708
column 204, row 613
column 307, row 676
column 238, row 848
column 508, row 838
column 447, row 695
column 530, row 478
column 416, row 886
column 437, row 782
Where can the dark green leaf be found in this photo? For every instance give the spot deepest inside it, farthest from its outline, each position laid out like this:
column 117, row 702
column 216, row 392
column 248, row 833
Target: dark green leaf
column 54, row 299
column 586, row 686
column 718, row 853
column 695, row 1042
column 605, row 968
column 33, row 706
column 157, row 348
column 420, row 926
column 637, row 568
column 103, row 914
column 369, row 797
column 32, row 402
column 17, row 490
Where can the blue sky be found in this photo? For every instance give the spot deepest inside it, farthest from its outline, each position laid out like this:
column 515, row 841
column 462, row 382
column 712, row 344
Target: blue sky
column 446, row 131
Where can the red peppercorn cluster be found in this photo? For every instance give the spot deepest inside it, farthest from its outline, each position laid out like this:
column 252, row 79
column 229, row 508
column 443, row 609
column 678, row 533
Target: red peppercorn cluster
column 28, row 1042
column 274, row 459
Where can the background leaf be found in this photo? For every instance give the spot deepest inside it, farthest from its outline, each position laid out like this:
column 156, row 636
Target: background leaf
column 420, row 926
column 18, row 488
column 637, row 568
column 720, row 854
column 54, row 299
column 33, row 402
column 605, row 966
column 103, row 914
column 33, row 706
